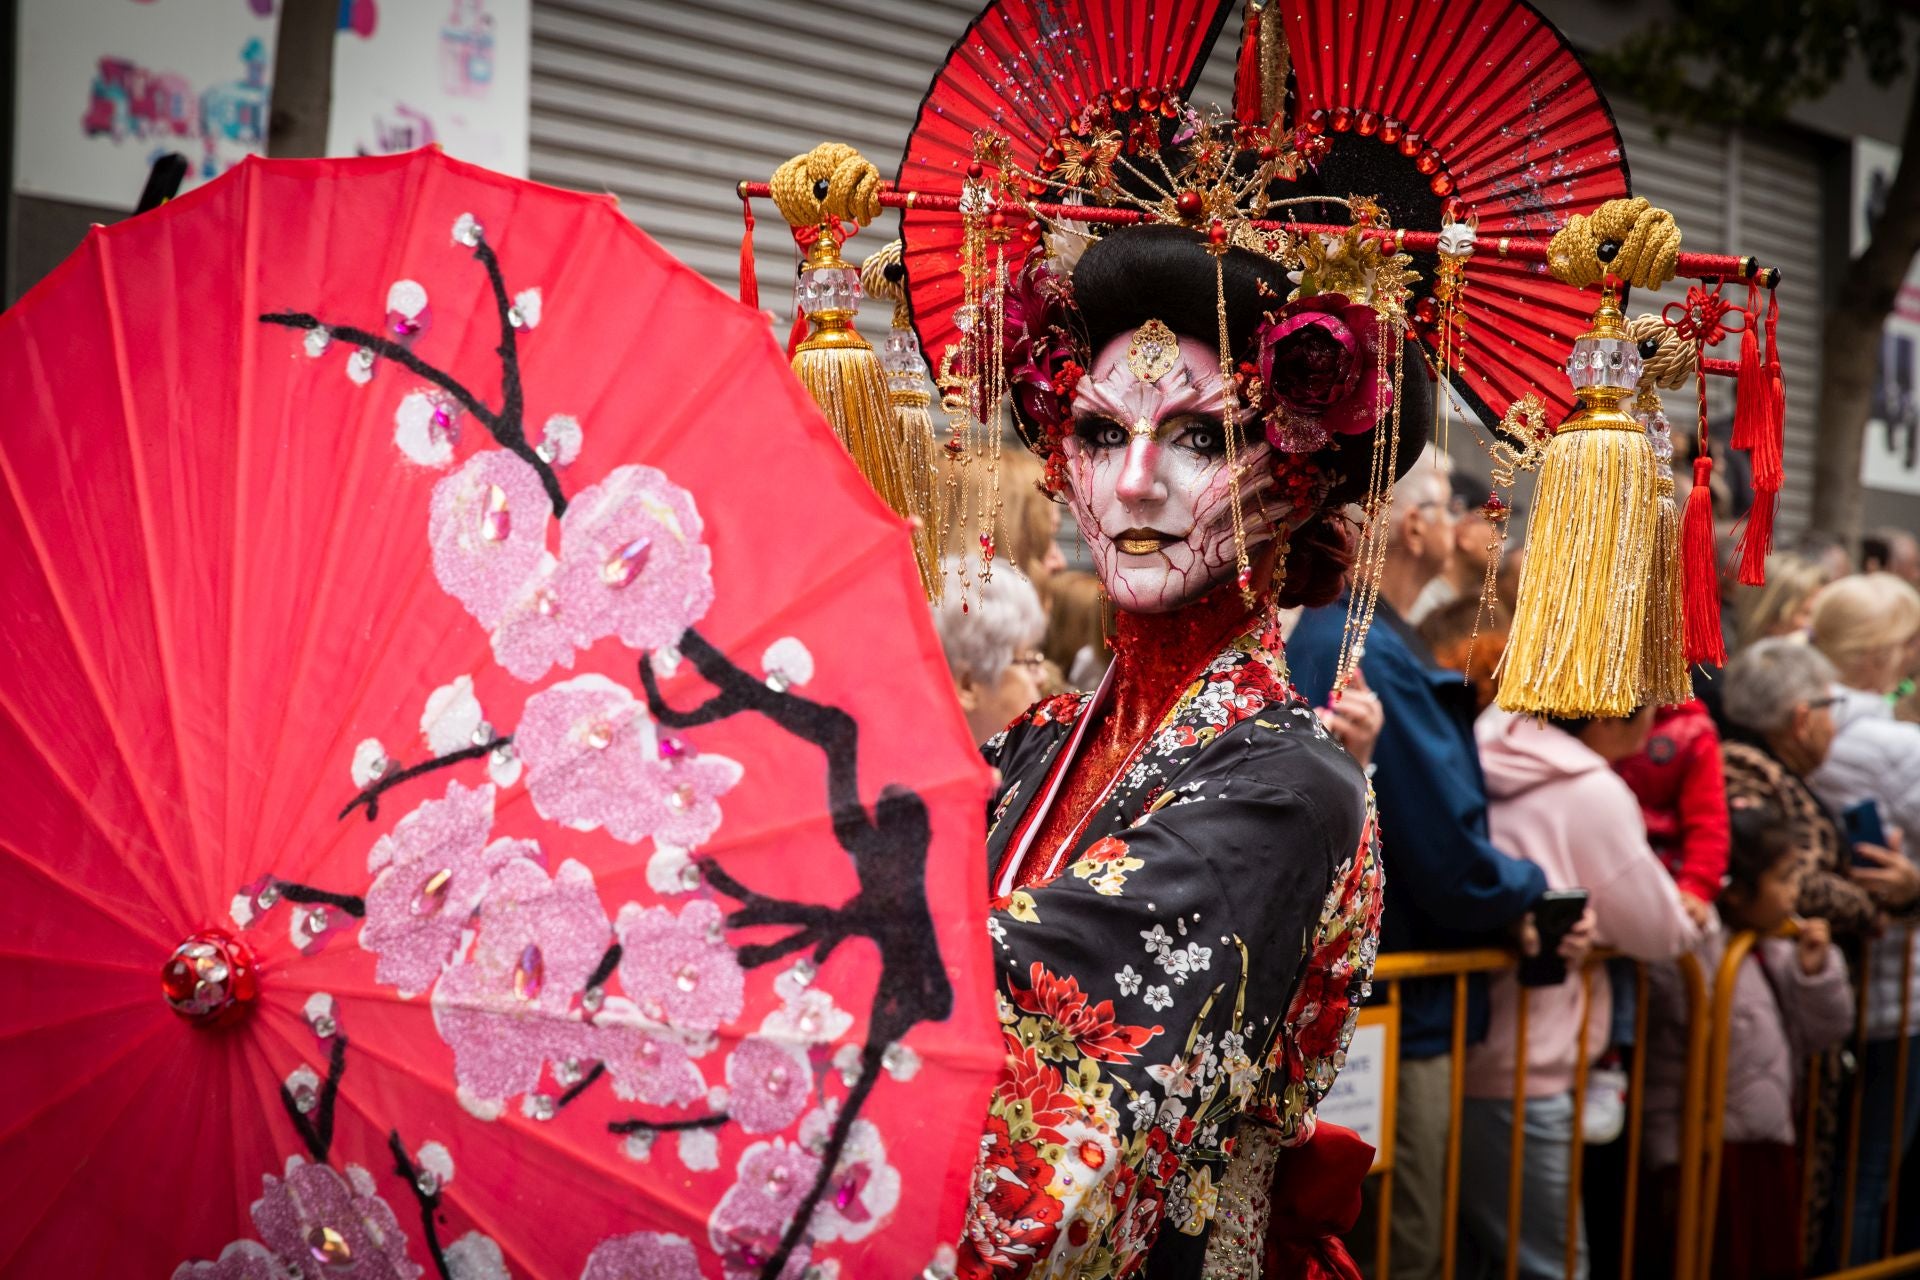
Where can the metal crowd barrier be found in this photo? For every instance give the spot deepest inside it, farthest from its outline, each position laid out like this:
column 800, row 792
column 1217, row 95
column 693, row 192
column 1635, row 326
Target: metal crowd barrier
column 1702, row 1118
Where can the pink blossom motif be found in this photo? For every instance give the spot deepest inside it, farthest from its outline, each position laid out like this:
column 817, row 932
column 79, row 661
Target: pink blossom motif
column 315, row 1219
column 505, row 1007
column 768, row 1084
column 645, row 1255
column 863, row 1190
column 529, row 640
column 631, row 561
column 430, row 874
column 643, row 1064
column 241, row 1260
column 747, row 1225
column 488, row 528
column 679, row 970
column 594, row 760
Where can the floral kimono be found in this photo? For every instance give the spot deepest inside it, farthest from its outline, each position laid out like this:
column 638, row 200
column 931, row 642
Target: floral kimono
column 1178, row 988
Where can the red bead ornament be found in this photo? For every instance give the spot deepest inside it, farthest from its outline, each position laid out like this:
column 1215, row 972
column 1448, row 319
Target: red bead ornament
column 974, row 170
column 1412, row 144
column 1217, row 231
column 1317, row 120
column 1052, row 158
column 1188, row 204
column 1123, row 99
column 1342, row 119
column 209, row 979
column 1428, row 162
column 1368, row 124
column 1150, row 99
column 1442, row 184
column 1269, row 153
column 1390, row 130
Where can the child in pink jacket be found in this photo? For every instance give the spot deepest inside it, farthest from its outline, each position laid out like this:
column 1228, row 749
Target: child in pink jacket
column 1792, row 999
column 1554, row 799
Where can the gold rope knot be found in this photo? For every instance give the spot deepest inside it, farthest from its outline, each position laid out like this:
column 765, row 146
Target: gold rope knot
column 877, row 283
column 851, row 193
column 1671, row 366
column 1646, row 244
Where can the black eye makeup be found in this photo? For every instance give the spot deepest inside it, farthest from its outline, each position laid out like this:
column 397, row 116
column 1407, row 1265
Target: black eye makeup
column 1101, row 433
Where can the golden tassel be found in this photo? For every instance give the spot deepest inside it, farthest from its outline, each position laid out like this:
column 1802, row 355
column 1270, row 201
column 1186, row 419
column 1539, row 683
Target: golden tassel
column 883, row 276
column 1665, row 681
column 1579, row 627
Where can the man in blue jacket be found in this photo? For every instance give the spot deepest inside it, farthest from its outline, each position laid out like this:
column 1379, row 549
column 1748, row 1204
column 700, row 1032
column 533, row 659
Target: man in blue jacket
column 1447, row 886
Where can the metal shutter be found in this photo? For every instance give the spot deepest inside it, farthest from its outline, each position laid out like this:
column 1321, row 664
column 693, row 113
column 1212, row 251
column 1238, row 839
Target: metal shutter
column 1740, row 191
column 668, row 103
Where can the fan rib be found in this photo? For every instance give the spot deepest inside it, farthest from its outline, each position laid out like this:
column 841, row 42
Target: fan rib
column 157, row 575
column 83, row 806
column 95, row 685
column 96, row 902
column 243, row 451
column 421, row 167
column 83, row 1157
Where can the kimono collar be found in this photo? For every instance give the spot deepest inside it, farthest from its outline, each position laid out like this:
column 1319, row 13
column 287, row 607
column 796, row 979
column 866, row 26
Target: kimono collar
column 1157, row 655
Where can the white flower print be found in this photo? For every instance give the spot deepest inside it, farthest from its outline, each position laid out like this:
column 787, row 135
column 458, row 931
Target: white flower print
column 1128, row 980
column 996, row 930
column 1175, row 964
column 1144, row 1107
column 1172, row 1112
column 1158, row 998
column 1157, row 940
column 1199, row 958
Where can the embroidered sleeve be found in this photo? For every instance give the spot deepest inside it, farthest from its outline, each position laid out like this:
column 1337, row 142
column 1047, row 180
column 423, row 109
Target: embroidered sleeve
column 1143, row 996
column 1335, row 980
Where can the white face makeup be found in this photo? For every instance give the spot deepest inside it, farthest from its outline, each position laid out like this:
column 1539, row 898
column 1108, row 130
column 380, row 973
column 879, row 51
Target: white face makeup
column 1148, row 480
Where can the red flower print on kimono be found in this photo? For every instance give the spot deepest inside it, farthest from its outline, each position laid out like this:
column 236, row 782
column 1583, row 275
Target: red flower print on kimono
column 1012, row 1217
column 1090, row 1029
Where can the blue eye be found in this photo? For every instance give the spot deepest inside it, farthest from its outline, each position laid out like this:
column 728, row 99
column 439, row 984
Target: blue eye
column 1101, row 433
column 1204, row 436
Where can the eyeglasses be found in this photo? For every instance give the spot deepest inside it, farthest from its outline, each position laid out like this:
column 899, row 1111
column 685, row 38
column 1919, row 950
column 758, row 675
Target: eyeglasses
column 1821, row 704
column 1455, row 506
column 1034, row 661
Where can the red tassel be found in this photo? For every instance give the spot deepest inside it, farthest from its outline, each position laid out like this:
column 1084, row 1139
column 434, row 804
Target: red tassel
column 749, row 279
column 1247, row 107
column 797, row 334
column 1756, row 544
column 1700, row 584
column 1753, row 397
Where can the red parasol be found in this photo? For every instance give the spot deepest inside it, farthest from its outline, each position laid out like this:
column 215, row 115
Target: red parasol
column 397, row 879
column 1478, row 104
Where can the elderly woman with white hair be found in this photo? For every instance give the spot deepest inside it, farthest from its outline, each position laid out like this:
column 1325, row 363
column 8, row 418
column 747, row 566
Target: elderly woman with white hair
column 991, row 635
column 1865, row 626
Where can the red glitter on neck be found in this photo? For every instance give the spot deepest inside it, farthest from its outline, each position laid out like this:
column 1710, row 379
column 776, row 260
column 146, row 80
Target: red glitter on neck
column 1156, row 656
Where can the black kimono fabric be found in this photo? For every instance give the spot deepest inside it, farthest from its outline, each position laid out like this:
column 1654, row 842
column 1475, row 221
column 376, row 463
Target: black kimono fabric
column 1180, row 995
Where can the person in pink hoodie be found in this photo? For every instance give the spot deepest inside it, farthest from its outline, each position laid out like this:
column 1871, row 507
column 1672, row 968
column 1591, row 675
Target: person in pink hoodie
column 1554, row 799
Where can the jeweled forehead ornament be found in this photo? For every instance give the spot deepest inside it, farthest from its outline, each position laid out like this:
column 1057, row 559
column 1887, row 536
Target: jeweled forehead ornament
column 1153, row 351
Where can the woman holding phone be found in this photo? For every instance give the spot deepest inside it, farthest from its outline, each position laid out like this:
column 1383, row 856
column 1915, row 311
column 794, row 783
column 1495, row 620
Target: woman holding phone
column 1554, row 799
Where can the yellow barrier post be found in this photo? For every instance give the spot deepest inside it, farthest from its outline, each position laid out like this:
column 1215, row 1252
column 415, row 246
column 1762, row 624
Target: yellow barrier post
column 1457, row 1094
column 1719, row 1047
column 1577, row 1152
column 1692, row 1098
column 1636, row 1115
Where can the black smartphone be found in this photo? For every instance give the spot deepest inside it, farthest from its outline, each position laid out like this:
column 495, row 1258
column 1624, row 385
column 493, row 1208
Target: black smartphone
column 1864, row 825
column 1557, row 911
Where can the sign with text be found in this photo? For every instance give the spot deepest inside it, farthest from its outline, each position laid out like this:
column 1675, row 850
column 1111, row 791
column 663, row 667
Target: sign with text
column 1890, row 453
column 1363, row 1095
